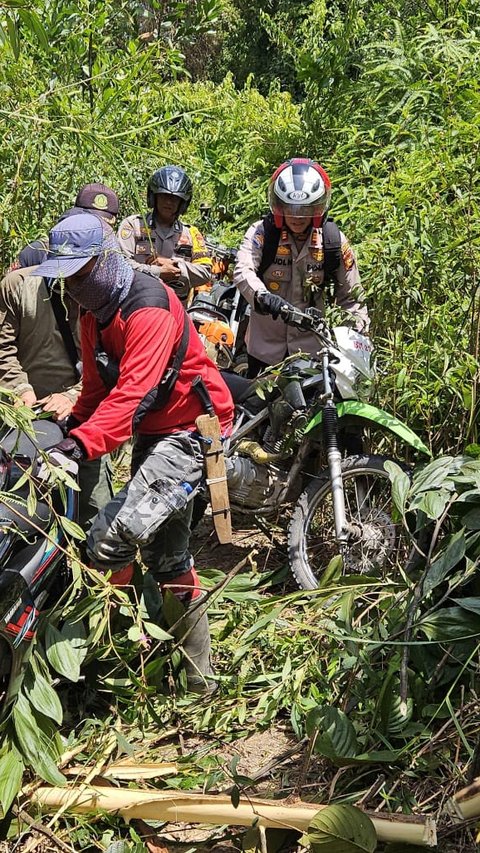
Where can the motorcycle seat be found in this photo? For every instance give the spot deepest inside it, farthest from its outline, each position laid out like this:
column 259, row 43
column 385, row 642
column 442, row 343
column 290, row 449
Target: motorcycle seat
column 15, row 518
column 239, row 387
column 47, row 433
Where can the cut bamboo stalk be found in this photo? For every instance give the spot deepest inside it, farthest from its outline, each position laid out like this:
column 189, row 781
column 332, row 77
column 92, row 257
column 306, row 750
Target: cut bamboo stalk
column 180, row 807
column 128, row 770
column 465, row 804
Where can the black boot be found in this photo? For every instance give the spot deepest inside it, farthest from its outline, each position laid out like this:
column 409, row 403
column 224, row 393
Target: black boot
column 193, row 632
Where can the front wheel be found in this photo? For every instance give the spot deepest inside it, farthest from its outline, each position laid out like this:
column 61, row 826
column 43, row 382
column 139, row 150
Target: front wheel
column 378, row 544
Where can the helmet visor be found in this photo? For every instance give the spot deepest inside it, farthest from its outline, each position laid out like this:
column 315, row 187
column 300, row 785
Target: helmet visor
column 300, row 211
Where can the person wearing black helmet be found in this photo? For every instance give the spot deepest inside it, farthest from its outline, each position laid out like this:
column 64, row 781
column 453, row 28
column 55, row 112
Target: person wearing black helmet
column 160, row 243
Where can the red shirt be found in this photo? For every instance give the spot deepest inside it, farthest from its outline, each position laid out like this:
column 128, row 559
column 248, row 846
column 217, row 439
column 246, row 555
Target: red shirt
column 143, row 337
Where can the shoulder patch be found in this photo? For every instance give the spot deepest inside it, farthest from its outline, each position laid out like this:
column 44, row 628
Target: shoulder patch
column 347, row 255
column 126, row 232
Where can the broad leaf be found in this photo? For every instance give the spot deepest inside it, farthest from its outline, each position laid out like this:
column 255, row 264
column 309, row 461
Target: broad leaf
column 342, row 829
column 400, row 484
column 434, row 475
column 11, row 772
column 450, row 623
column 61, row 654
column 36, row 742
column 43, row 697
column 453, row 550
column 156, row 632
column 433, row 503
column 469, row 603
column 334, row 735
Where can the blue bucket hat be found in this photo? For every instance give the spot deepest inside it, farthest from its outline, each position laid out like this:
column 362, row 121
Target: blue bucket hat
column 72, row 243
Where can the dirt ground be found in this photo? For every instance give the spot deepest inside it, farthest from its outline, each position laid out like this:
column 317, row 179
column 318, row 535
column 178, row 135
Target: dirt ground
column 281, row 766
column 276, row 762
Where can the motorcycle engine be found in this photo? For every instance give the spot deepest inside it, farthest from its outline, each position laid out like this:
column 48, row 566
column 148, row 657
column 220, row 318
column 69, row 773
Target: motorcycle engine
column 252, row 485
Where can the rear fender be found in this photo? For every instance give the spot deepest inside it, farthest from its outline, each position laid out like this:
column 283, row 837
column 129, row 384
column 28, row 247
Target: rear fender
column 377, row 416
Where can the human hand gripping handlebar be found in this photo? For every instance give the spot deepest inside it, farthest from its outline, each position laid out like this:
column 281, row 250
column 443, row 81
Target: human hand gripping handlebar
column 309, row 320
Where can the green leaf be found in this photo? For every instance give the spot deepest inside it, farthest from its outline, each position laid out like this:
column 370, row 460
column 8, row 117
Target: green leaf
column 333, row 732
column 400, row 484
column 433, row 503
column 36, row 742
column 434, row 475
column 450, row 623
column 471, row 603
column 134, row 633
column 235, row 796
column 156, row 632
column 61, row 654
column 453, row 550
column 32, row 21
column 71, row 528
column 342, row 829
column 11, row 772
column 43, row 697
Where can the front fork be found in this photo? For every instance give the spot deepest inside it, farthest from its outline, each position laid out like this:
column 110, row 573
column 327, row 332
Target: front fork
column 334, row 456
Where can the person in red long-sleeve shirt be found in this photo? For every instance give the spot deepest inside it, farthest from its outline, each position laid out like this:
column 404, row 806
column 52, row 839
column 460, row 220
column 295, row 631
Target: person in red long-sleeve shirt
column 136, row 338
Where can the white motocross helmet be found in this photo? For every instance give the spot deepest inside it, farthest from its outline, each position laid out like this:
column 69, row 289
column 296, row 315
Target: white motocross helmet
column 299, row 187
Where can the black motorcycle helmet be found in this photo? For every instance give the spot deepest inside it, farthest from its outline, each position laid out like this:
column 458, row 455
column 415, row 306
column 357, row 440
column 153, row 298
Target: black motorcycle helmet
column 171, row 180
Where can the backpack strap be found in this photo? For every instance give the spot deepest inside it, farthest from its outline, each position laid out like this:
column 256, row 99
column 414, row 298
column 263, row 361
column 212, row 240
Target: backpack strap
column 270, row 244
column 332, row 248
column 60, row 313
column 158, row 397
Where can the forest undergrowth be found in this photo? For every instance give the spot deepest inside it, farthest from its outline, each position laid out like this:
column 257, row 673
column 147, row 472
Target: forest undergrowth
column 367, row 689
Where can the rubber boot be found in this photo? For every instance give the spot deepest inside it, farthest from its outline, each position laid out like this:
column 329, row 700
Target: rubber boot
column 193, row 632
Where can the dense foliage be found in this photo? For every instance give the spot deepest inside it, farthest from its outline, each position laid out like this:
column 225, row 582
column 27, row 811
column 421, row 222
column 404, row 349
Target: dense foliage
column 386, row 96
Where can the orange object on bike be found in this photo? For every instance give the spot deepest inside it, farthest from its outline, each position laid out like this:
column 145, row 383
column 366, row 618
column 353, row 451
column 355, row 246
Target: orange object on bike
column 217, row 332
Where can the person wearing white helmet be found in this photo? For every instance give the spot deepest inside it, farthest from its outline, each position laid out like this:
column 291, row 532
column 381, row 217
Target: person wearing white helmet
column 290, row 256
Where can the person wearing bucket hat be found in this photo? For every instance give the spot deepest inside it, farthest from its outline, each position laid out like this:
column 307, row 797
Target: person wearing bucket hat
column 160, row 242
column 141, row 354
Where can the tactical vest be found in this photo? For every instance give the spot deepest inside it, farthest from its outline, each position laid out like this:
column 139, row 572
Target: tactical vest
column 332, row 245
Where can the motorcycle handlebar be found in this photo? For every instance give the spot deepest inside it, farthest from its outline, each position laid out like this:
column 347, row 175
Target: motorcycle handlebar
column 221, row 252
column 309, row 320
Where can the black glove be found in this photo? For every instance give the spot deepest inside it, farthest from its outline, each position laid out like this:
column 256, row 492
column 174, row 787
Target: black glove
column 68, row 447
column 269, row 303
column 70, row 423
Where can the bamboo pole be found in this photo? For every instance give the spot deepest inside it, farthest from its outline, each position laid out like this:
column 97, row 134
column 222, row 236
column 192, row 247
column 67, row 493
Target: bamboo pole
column 465, row 804
column 128, row 770
column 180, row 807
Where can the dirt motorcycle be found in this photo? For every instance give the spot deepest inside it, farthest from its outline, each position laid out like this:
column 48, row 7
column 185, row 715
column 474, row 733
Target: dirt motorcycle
column 33, row 567
column 297, row 449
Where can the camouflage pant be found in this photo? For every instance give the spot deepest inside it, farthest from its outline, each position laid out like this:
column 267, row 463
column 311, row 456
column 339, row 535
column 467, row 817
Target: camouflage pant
column 153, row 511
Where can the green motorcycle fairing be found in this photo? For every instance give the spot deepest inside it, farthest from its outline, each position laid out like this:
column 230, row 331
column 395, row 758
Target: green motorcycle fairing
column 372, row 413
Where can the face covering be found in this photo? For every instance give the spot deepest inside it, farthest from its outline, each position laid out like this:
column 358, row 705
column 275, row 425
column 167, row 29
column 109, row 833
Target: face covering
column 103, row 290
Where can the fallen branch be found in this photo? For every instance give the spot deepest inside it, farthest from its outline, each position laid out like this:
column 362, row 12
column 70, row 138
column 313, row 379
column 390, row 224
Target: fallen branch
column 128, row 770
column 41, row 829
column 180, row 807
column 465, row 804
